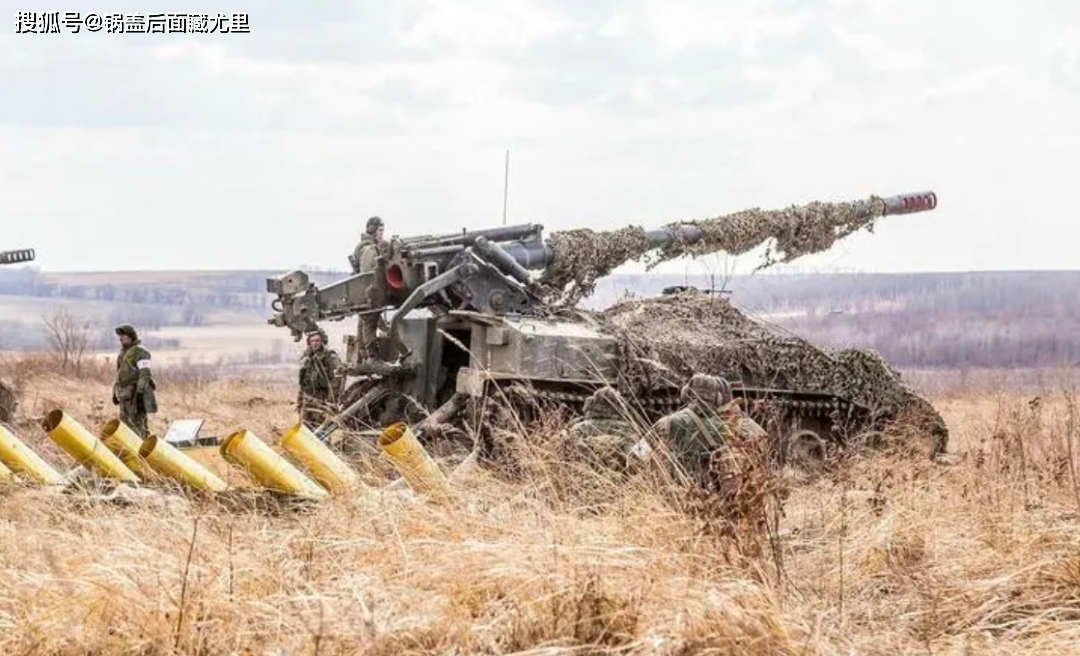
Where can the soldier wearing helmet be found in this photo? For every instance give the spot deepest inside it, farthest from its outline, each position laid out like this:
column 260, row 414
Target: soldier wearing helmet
column 365, row 260
column 604, row 435
column 695, row 432
column 321, row 378
column 133, row 389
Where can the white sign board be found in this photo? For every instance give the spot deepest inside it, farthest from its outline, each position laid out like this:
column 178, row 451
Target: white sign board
column 183, row 431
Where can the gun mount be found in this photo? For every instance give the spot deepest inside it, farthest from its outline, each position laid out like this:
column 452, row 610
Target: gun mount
column 489, row 331
column 17, row 256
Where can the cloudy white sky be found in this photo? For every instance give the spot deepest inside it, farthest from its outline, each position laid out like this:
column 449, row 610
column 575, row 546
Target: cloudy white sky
column 271, row 149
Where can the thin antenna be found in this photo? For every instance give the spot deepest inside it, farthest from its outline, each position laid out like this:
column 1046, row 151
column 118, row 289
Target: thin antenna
column 506, row 183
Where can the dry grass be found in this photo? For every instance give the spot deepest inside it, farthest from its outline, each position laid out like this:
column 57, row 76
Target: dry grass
column 887, row 556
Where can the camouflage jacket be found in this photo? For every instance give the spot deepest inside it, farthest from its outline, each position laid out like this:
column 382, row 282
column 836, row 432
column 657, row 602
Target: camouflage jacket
column 690, row 446
column 321, row 373
column 740, row 423
column 366, row 255
column 606, row 439
column 591, row 427
column 134, row 379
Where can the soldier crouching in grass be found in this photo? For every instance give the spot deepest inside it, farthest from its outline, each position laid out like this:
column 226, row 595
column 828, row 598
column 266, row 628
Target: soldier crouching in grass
column 718, row 448
column 134, row 388
column 696, row 433
column 604, row 437
column 321, row 381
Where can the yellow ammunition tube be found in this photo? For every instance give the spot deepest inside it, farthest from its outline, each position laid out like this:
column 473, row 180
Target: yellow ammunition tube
column 121, row 440
column 413, row 462
column 5, row 473
column 173, row 463
column 267, row 466
column 22, row 460
column 328, row 470
column 84, row 448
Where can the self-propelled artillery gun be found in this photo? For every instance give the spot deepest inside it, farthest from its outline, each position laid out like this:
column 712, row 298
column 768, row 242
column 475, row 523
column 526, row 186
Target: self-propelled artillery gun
column 464, row 319
column 8, row 398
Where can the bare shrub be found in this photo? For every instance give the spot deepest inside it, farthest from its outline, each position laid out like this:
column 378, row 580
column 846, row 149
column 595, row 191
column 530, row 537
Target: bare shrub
column 70, row 337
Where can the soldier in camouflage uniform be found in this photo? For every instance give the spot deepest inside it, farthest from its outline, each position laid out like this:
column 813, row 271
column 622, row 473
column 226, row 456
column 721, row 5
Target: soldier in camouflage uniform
column 321, row 380
column 603, row 435
column 740, row 423
column 365, row 260
column 697, row 432
column 134, row 388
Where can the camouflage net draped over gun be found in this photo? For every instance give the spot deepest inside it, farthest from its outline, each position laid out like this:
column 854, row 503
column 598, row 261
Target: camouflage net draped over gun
column 697, row 333
column 582, row 256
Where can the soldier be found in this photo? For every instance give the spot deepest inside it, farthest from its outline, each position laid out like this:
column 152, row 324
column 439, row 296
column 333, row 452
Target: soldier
column 321, row 379
column 603, row 435
column 740, row 423
column 133, row 390
column 696, row 432
column 364, row 260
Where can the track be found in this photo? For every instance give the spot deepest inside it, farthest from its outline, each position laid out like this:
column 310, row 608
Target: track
column 792, row 409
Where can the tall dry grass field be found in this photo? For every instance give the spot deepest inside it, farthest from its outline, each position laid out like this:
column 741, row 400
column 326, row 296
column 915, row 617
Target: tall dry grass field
column 890, row 555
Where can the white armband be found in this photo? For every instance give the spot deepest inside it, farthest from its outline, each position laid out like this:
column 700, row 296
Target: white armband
column 143, row 364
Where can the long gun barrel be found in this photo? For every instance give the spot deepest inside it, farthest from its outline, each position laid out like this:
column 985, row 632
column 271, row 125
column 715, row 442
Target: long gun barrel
column 17, row 256
column 488, row 270
column 861, row 210
column 582, row 256
column 524, row 245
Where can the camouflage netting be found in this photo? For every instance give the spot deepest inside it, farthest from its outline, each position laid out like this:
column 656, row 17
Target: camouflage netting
column 582, row 256
column 694, row 332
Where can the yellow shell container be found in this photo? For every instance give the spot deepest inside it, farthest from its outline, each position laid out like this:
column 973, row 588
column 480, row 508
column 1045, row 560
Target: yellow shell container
column 267, row 466
column 22, row 460
column 328, row 470
column 413, row 462
column 167, row 460
column 121, row 440
column 84, row 448
column 5, row 473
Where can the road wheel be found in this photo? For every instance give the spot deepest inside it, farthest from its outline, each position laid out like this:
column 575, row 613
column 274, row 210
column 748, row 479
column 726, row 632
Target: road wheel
column 806, row 450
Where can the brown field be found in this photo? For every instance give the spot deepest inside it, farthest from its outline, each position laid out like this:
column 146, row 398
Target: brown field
column 892, row 555
column 31, row 309
column 211, row 344
column 227, row 336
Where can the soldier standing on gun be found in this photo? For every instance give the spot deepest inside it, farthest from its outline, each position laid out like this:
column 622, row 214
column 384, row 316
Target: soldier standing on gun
column 321, row 378
column 133, row 390
column 364, row 260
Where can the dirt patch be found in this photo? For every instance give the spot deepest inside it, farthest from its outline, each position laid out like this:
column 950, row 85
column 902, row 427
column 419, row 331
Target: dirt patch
column 582, row 256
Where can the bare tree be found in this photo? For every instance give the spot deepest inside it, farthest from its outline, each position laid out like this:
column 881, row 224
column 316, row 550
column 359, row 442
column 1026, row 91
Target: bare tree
column 718, row 272
column 69, row 336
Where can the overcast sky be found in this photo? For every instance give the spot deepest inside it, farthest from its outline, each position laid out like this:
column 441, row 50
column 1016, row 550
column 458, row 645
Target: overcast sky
column 271, row 149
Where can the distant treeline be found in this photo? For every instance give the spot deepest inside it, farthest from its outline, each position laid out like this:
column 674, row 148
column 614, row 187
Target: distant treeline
column 924, row 320
column 214, row 290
